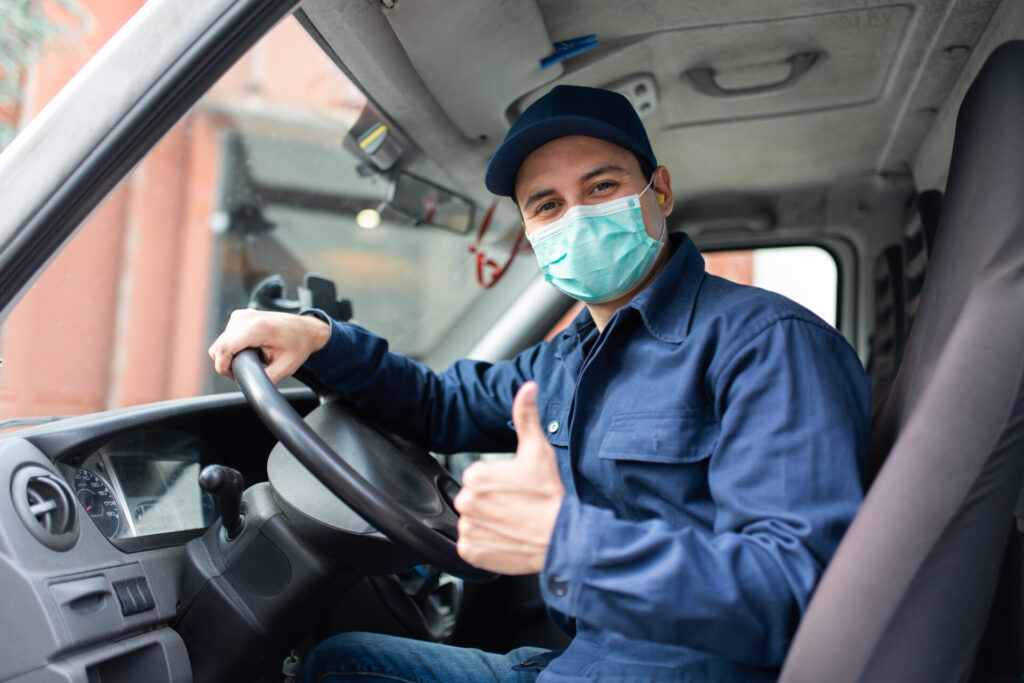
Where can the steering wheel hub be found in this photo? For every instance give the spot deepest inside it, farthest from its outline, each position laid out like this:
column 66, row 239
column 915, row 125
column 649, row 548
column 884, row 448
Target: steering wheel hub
column 337, row 473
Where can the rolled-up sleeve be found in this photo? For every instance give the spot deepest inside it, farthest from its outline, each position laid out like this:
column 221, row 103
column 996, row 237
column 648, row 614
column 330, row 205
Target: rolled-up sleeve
column 785, row 477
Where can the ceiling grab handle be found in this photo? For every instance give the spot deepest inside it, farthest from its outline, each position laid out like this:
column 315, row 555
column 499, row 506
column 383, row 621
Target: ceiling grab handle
column 703, row 78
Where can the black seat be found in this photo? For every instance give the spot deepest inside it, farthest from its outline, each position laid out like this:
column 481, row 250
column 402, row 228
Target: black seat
column 889, row 334
column 899, row 275
column 918, row 244
column 907, row 595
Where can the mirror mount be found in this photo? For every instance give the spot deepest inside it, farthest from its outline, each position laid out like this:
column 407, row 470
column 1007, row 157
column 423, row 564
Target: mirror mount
column 424, row 201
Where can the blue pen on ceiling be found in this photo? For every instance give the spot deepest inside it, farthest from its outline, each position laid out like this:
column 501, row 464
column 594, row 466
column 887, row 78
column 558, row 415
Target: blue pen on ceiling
column 564, row 49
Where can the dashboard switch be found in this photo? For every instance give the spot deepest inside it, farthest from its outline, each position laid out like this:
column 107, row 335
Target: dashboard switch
column 134, row 595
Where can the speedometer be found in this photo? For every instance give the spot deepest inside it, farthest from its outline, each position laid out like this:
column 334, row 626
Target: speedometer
column 98, row 501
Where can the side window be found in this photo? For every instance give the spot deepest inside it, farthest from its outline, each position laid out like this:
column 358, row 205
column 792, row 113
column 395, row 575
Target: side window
column 806, row 274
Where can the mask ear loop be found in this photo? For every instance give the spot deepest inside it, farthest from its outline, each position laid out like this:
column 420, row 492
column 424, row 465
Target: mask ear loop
column 664, row 229
column 661, row 202
column 649, row 185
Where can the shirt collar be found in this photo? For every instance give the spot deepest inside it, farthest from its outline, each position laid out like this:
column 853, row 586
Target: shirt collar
column 666, row 305
column 574, row 333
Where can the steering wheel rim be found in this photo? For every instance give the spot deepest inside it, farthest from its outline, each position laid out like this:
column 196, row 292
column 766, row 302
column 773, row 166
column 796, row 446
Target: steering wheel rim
column 340, row 478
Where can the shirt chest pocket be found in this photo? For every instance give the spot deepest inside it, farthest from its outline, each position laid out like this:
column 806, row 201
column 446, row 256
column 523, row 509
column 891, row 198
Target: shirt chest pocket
column 669, row 437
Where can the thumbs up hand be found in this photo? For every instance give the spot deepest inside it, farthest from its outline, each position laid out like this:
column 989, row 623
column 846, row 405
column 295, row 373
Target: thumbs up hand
column 508, row 509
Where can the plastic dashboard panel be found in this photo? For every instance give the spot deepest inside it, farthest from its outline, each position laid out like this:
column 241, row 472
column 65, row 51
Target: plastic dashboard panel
column 65, row 610
column 144, row 484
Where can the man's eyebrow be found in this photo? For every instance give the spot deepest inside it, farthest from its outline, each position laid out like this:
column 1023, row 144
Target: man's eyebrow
column 600, row 170
column 607, row 168
column 536, row 196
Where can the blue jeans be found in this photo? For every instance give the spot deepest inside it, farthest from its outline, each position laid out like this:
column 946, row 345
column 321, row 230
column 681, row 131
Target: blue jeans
column 367, row 657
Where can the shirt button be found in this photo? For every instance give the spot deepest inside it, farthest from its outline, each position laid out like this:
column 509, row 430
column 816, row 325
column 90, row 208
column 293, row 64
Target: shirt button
column 558, row 585
column 552, row 426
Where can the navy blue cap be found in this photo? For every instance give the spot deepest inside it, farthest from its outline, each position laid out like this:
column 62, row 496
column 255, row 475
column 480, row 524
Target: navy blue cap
column 566, row 110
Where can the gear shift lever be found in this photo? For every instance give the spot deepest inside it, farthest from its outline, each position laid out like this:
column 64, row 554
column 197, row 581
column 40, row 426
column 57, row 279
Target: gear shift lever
column 227, row 484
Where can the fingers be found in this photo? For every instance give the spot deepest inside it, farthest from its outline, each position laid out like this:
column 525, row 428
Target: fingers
column 501, row 548
column 277, row 335
column 281, row 365
column 527, row 419
column 222, row 357
column 507, row 513
column 486, row 515
column 231, row 341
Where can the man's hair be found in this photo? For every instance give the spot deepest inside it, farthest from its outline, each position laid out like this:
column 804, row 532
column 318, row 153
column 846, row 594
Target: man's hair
column 646, row 170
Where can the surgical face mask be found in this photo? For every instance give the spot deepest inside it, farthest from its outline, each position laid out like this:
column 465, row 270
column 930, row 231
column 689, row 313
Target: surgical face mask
column 598, row 252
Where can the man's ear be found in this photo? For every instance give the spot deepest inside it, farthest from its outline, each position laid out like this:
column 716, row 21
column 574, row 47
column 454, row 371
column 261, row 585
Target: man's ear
column 663, row 190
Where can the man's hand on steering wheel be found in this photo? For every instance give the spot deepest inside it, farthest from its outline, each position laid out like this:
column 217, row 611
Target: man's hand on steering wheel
column 509, row 508
column 286, row 340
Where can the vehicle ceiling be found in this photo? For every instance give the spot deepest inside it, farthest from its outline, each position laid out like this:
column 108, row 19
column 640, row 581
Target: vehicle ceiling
column 454, row 74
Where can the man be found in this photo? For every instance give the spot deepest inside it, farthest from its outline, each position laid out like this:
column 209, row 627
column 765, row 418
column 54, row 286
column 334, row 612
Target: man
column 688, row 451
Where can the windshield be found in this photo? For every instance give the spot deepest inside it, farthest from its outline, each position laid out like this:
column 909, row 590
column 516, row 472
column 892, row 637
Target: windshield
column 260, row 178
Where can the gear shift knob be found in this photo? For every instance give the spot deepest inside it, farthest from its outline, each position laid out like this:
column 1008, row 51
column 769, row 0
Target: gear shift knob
column 227, row 484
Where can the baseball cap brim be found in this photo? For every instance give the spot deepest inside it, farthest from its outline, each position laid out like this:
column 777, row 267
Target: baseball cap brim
column 501, row 171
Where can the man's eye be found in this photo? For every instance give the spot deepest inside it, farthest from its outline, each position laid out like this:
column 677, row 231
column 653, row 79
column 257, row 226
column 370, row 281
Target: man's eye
column 546, row 206
column 604, row 185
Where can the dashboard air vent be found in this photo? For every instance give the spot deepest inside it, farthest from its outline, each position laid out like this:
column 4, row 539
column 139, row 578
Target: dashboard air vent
column 46, row 506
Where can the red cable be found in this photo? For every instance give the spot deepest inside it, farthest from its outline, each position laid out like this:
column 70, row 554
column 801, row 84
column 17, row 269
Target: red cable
column 482, row 261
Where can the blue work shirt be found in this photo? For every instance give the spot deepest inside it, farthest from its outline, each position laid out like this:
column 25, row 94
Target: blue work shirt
column 711, row 442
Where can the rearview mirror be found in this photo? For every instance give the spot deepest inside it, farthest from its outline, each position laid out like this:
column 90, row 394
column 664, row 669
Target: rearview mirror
column 426, row 202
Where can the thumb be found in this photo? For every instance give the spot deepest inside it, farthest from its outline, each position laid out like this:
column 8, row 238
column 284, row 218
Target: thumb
column 526, row 417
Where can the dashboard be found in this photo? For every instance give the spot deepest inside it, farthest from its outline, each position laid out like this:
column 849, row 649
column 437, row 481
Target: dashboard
column 143, row 483
column 94, row 534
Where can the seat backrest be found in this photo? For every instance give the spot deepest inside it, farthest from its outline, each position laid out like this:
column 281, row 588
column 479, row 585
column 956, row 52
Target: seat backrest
column 906, row 596
column 928, row 206
column 899, row 276
column 887, row 337
column 917, row 249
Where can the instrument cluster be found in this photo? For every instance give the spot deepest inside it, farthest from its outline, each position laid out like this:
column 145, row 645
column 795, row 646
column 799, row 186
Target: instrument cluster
column 143, row 483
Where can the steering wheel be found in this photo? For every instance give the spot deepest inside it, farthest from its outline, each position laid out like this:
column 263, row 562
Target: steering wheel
column 415, row 508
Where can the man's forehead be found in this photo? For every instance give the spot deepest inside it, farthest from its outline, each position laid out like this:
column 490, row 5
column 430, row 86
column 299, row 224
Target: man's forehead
column 568, row 158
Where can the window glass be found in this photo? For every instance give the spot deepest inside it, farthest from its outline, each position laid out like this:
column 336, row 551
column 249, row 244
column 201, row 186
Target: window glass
column 805, row 274
column 258, row 179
